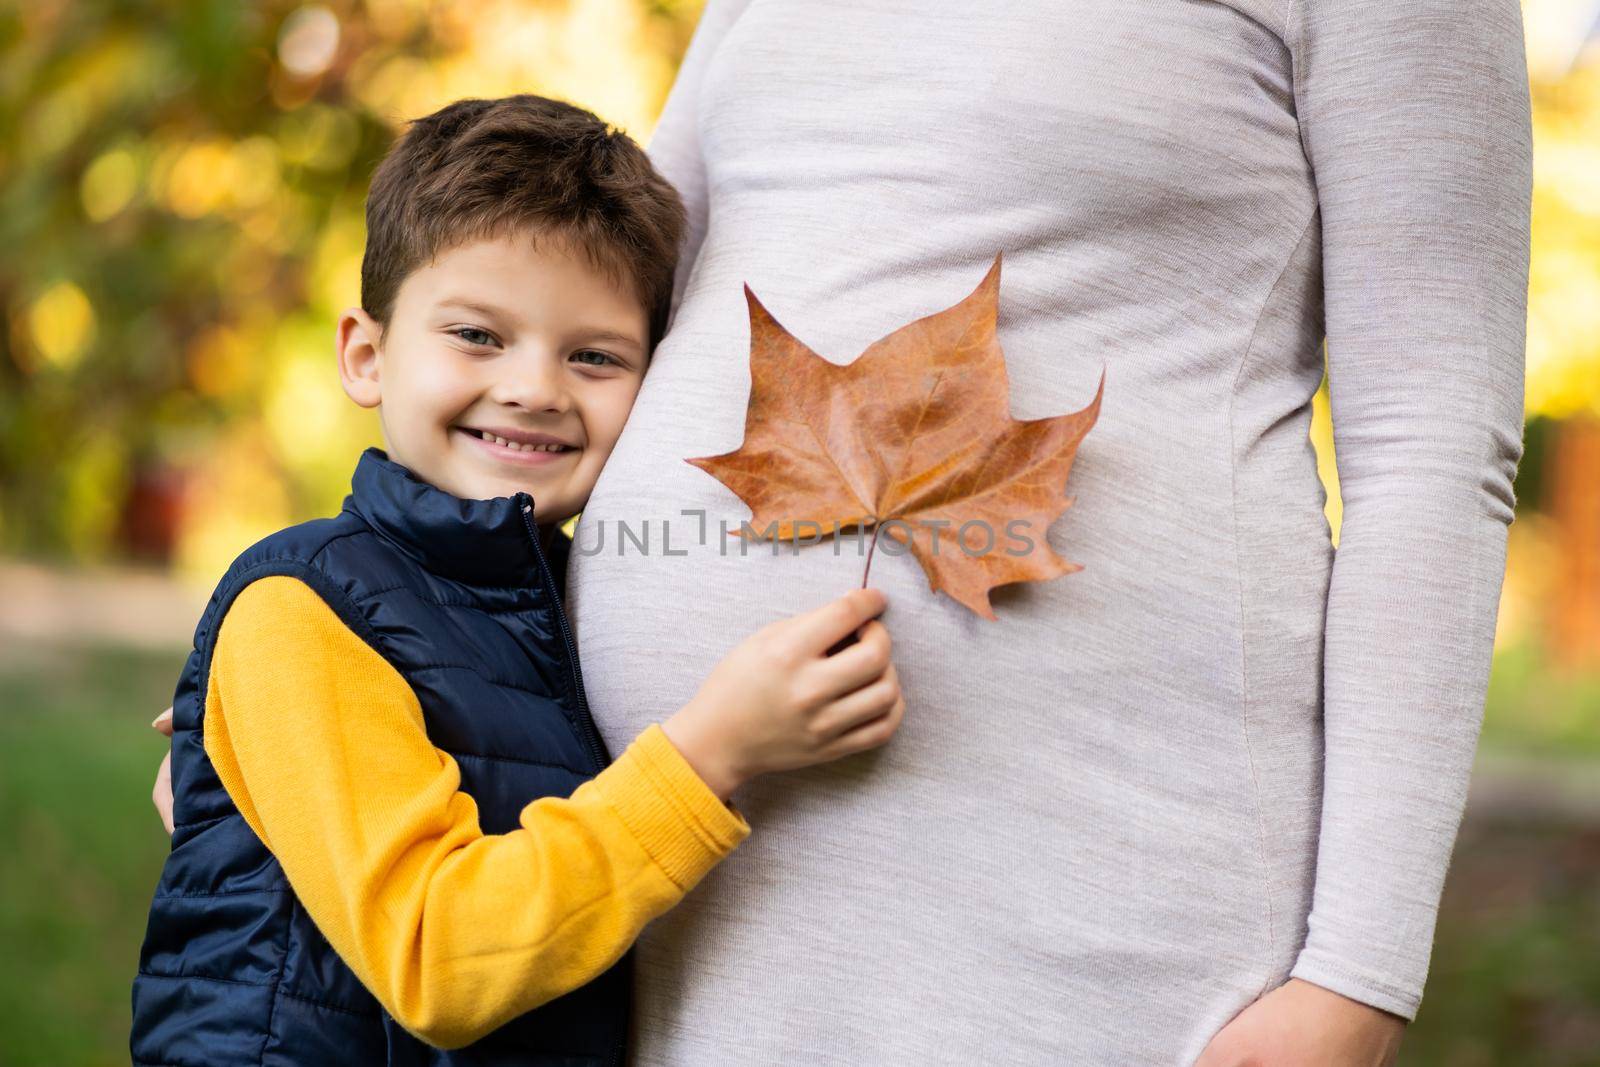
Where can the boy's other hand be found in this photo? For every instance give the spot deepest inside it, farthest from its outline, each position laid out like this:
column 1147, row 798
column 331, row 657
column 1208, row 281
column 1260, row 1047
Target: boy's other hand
column 778, row 701
column 161, row 795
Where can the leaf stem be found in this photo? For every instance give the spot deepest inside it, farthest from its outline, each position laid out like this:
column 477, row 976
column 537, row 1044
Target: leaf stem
column 870, row 549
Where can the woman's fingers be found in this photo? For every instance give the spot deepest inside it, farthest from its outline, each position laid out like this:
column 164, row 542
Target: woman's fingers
column 817, row 630
column 849, row 670
column 161, row 795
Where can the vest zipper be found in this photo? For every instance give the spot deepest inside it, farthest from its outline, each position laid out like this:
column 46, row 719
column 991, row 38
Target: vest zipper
column 590, row 733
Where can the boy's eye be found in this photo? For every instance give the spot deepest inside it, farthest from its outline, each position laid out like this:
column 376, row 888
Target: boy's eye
column 474, row 336
column 591, row 352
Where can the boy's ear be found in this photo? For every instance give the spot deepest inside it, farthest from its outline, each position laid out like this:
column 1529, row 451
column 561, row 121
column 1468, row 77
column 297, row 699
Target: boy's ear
column 358, row 344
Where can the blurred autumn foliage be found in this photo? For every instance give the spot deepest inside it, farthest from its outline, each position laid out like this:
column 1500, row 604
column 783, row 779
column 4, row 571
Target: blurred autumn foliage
column 183, row 188
column 183, row 192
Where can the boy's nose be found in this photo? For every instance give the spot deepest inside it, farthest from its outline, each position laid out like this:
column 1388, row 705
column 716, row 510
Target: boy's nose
column 535, row 382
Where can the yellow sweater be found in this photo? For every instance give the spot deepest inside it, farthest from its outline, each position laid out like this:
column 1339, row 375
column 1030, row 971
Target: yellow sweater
column 320, row 743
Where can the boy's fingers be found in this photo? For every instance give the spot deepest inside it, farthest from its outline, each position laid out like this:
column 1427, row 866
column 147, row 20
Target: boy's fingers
column 869, row 702
column 861, row 663
column 163, row 722
column 869, row 734
column 819, row 628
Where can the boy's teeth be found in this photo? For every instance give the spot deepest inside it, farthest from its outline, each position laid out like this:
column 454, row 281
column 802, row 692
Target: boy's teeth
column 487, row 436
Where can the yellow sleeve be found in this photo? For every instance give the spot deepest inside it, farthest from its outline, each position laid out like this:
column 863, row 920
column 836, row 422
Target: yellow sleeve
column 320, row 743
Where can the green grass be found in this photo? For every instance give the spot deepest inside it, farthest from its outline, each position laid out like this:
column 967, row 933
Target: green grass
column 1516, row 967
column 83, row 846
column 1535, row 709
column 1515, row 977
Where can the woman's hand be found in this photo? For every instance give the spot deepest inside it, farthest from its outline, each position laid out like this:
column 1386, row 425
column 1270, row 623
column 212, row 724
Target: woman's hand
column 1300, row 1024
column 161, row 795
column 779, row 701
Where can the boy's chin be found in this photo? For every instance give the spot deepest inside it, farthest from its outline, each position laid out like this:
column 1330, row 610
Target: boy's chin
column 487, row 487
column 470, row 481
column 545, row 509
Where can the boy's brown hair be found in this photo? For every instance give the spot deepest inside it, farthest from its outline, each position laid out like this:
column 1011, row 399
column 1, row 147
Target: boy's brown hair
column 477, row 169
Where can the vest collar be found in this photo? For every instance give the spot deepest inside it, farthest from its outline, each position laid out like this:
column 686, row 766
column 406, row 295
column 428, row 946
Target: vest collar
column 480, row 542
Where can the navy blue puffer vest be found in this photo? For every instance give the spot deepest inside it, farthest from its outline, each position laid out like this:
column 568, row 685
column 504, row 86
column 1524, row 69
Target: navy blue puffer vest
column 458, row 595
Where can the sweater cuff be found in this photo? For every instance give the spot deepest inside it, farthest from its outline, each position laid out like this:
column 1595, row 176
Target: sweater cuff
column 670, row 810
column 1355, row 983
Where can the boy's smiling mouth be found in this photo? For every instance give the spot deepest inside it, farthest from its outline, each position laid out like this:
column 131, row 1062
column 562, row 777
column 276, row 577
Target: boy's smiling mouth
column 518, row 446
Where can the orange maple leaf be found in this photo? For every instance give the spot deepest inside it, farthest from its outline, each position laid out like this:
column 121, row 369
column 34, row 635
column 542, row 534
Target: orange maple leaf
column 917, row 429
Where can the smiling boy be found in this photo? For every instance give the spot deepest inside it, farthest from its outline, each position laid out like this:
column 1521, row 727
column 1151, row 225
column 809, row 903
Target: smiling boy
column 468, row 421
column 396, row 824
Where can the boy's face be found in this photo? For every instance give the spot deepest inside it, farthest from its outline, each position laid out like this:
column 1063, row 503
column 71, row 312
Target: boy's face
column 501, row 340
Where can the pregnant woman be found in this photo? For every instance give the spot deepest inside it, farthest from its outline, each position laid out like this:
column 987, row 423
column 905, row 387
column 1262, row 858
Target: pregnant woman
column 1196, row 801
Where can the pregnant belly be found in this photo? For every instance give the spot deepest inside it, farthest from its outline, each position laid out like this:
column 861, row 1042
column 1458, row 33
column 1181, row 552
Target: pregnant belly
column 1068, row 833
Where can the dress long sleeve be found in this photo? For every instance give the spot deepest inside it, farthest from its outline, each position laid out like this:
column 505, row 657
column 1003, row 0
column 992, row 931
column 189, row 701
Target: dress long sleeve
column 1415, row 120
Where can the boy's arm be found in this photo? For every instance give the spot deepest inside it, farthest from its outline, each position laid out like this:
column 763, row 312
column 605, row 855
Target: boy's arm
column 320, row 742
